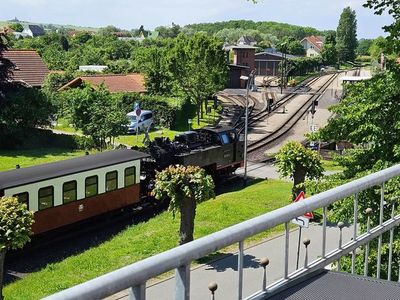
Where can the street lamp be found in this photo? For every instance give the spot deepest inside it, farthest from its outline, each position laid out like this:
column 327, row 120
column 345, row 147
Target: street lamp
column 283, row 64
column 246, row 119
column 190, row 124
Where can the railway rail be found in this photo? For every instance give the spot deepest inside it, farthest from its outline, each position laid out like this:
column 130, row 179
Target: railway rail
column 258, row 145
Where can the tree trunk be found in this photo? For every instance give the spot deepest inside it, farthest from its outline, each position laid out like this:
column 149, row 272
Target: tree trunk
column 188, row 213
column 202, row 109
column 2, row 257
column 198, row 114
column 299, row 177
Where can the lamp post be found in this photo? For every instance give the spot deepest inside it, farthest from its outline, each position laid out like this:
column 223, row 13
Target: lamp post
column 246, row 119
column 190, row 124
column 283, row 64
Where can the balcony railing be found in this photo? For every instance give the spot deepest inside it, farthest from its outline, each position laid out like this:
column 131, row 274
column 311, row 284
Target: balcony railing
column 135, row 276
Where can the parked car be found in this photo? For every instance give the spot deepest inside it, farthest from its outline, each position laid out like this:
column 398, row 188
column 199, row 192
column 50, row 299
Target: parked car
column 143, row 122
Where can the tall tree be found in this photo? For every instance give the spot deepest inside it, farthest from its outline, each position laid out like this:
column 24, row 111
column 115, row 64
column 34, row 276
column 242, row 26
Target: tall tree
column 346, row 35
column 198, row 67
column 15, row 229
column 185, row 186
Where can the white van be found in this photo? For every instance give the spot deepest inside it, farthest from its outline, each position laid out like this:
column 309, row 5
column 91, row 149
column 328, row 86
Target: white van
column 145, row 121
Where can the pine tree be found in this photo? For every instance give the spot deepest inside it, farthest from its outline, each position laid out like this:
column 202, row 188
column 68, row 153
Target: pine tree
column 346, row 35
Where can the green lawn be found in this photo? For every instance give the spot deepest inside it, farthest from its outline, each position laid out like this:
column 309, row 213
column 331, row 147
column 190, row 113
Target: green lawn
column 181, row 126
column 26, row 158
column 63, row 125
column 154, row 236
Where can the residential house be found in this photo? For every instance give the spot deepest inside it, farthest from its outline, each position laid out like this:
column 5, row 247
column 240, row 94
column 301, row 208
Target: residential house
column 29, row 67
column 33, row 30
column 115, row 83
column 92, row 68
column 247, row 40
column 313, row 45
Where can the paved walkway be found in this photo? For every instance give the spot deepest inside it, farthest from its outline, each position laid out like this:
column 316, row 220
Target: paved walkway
column 224, row 271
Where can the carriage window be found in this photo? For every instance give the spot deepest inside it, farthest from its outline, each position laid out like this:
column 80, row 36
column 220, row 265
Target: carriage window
column 69, row 192
column 23, row 198
column 111, row 181
column 46, row 197
column 130, row 176
column 91, row 186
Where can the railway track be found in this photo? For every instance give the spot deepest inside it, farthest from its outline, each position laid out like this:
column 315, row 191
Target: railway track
column 259, row 145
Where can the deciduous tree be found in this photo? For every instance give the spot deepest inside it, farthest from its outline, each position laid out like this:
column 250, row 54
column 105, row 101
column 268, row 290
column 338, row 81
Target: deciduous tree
column 298, row 163
column 15, row 229
column 185, row 187
column 198, row 67
column 96, row 113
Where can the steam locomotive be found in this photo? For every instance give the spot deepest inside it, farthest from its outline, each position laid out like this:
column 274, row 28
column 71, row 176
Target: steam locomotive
column 74, row 190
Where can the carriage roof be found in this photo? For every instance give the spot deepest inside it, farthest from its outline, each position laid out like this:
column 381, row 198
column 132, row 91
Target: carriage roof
column 47, row 171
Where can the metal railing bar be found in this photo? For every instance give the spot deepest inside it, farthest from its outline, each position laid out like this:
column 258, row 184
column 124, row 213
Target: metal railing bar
column 182, row 283
column 368, row 212
column 240, row 269
column 286, row 258
column 391, row 245
column 141, row 271
column 355, row 218
column 138, row 292
column 379, row 255
column 324, row 213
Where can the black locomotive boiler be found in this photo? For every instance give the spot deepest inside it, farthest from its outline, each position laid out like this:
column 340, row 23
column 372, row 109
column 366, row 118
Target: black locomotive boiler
column 218, row 150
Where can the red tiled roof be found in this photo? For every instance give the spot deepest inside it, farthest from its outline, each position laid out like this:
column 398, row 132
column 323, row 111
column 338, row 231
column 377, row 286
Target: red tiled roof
column 316, row 41
column 133, row 83
column 29, row 66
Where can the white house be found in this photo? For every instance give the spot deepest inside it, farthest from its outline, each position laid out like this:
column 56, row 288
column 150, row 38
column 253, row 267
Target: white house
column 313, row 45
column 33, row 30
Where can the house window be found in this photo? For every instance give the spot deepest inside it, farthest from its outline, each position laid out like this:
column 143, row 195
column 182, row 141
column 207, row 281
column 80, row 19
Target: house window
column 46, row 197
column 23, row 198
column 69, row 192
column 111, row 181
column 130, row 176
column 91, row 186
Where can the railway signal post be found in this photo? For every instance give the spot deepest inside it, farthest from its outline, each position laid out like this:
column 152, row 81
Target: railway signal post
column 246, row 120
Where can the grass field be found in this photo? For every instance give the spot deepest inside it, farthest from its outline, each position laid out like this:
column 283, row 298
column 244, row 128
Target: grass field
column 26, row 158
column 154, row 236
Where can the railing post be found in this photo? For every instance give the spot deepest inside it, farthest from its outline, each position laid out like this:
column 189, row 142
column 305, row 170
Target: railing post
column 391, row 244
column 212, row 286
column 240, row 270
column 182, row 284
column 340, row 225
column 264, row 262
column 368, row 212
column 138, row 292
column 378, row 263
column 286, row 266
column 353, row 256
column 306, row 242
column 324, row 232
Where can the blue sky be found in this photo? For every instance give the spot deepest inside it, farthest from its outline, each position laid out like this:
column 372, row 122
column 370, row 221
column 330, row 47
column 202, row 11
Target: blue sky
column 128, row 14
